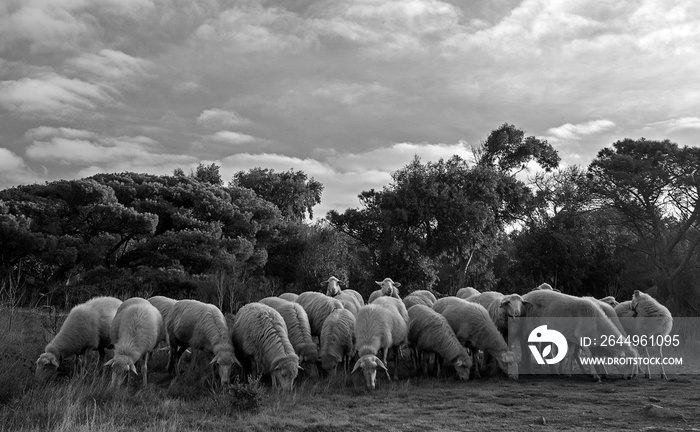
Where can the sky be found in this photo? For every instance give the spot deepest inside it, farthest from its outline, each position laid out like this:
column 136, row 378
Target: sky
column 346, row 91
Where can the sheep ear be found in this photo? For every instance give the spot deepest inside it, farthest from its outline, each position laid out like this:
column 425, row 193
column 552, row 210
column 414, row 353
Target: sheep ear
column 396, row 284
column 378, row 283
column 356, row 367
column 381, row 365
column 636, row 293
column 235, row 361
column 215, row 359
column 300, row 368
column 132, row 368
column 54, row 362
column 504, row 303
column 109, row 363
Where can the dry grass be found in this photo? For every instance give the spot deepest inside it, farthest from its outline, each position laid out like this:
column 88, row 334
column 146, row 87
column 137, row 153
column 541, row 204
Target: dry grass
column 84, row 402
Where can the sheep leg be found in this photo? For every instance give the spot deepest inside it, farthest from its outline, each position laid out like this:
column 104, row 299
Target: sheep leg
column 591, row 366
column 396, row 362
column 144, row 368
column 663, row 370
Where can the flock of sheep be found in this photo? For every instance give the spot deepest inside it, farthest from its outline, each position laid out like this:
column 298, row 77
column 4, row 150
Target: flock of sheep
column 279, row 336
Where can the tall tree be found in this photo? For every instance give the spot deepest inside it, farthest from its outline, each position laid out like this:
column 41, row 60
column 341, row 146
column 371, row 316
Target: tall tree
column 291, row 191
column 654, row 188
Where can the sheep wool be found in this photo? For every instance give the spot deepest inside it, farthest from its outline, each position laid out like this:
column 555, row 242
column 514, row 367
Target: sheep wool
column 500, row 308
column 292, row 297
column 466, row 292
column 653, row 318
column 86, row 328
column 423, row 297
column 135, row 332
column 164, row 305
column 202, row 326
column 317, row 306
column 428, row 331
column 298, row 328
column 337, row 340
column 441, row 304
column 260, row 333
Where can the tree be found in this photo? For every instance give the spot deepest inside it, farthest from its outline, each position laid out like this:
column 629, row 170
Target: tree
column 207, row 174
column 291, row 191
column 654, row 188
column 507, row 149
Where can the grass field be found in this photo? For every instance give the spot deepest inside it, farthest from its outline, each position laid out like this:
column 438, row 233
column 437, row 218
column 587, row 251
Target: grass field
column 543, row 403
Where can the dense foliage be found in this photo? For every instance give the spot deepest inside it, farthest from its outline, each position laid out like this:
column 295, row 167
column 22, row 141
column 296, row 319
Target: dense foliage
column 629, row 221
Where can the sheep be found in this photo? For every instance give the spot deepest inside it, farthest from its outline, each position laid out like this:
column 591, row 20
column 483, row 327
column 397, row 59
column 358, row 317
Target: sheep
column 473, row 326
column 466, row 292
column 333, row 290
column 428, row 331
column 394, row 304
column 653, row 319
column 337, row 340
column 164, row 305
column 135, row 331
column 198, row 325
column 317, row 306
column 441, row 304
column 584, row 318
column 377, row 328
column 298, row 329
column 292, row 297
column 260, row 333
column 86, row 328
column 500, row 308
column 423, row 297
column 387, row 288
column 545, row 286
column 610, row 300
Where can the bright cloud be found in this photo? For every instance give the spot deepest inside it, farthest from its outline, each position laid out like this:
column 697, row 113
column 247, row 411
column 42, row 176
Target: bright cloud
column 219, row 117
column 111, row 65
column 676, row 124
column 570, row 131
column 230, row 137
column 13, row 170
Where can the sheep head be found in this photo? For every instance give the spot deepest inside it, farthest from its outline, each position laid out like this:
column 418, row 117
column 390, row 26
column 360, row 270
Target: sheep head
column 284, row 374
column 514, row 305
column 507, row 362
column 387, row 286
column 121, row 366
column 462, row 365
column 225, row 361
column 46, row 366
column 369, row 364
column 333, row 287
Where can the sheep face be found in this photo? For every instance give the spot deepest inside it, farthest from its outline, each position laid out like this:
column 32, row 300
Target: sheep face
column 46, row 366
column 333, row 288
column 225, row 362
column 462, row 365
column 121, row 366
column 610, row 300
column 283, row 376
column 507, row 362
column 514, row 305
column 387, row 286
column 369, row 364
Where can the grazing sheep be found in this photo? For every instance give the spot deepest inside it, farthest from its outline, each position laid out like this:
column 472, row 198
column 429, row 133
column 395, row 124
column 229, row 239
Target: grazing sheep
column 292, row 297
column 441, row 304
column 466, row 292
column 164, row 305
column 393, row 304
column 202, row 326
column 428, row 331
column 317, row 306
column 652, row 318
column 86, row 328
column 475, row 329
column 333, row 290
column 378, row 328
column 387, row 288
column 337, row 340
column 260, row 334
column 298, row 329
column 136, row 330
column 423, row 297
column 500, row 308
column 610, row 300
column 545, row 286
column 585, row 318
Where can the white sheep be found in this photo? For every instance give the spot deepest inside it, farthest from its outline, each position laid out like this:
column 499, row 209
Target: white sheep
column 584, row 318
column 429, row 332
column 333, row 290
column 317, row 306
column 652, row 319
column 164, row 305
column 610, row 300
column 292, row 297
column 86, row 328
column 423, row 297
column 337, row 340
column 545, row 286
column 298, row 329
column 260, row 334
column 466, row 292
column 135, row 331
column 475, row 329
column 441, row 304
column 394, row 304
column 196, row 325
column 500, row 308
column 387, row 288
column 377, row 328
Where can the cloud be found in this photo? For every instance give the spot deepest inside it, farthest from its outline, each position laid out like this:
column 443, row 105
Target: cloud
column 570, row 131
column 218, row 117
column 230, row 137
column 51, row 95
column 111, row 65
column 13, row 170
column 350, row 93
column 676, row 124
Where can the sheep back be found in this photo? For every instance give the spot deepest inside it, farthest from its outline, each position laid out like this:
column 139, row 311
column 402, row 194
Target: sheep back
column 298, row 327
column 657, row 318
column 292, row 297
column 164, row 305
column 466, row 292
column 337, row 338
column 441, row 304
column 317, row 306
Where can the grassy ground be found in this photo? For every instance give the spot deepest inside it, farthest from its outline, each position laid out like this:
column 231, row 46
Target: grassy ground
column 84, row 402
